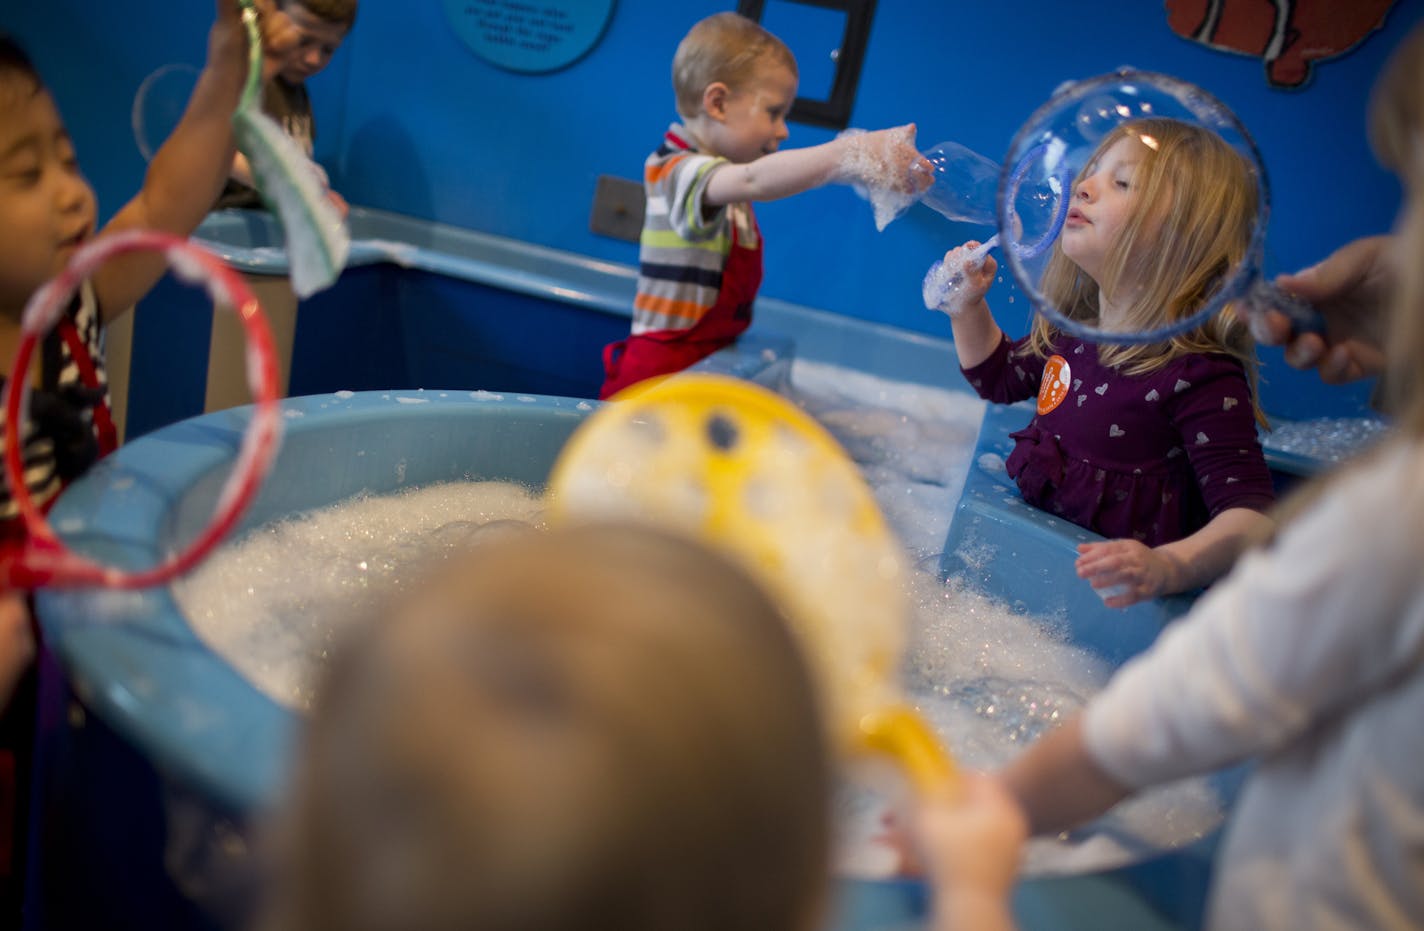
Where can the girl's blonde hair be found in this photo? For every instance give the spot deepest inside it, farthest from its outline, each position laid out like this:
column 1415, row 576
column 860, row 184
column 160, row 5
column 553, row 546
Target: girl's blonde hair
column 1190, row 225
column 725, row 47
column 1397, row 136
column 607, row 727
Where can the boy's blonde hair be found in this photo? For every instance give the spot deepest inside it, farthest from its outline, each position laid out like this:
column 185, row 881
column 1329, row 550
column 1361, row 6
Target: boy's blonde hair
column 607, row 727
column 1397, row 136
column 725, row 47
column 1190, row 226
column 337, row 12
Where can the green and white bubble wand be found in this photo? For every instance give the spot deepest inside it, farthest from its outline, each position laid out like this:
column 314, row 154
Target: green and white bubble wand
column 317, row 238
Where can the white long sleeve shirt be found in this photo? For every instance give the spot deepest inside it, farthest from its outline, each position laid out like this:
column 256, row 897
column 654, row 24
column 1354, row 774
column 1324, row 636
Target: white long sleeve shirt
column 1308, row 658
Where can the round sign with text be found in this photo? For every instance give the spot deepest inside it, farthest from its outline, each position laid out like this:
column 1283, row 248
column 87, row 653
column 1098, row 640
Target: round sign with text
column 532, row 36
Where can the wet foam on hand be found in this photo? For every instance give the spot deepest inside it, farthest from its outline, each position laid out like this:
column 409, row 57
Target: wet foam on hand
column 943, row 287
column 876, row 176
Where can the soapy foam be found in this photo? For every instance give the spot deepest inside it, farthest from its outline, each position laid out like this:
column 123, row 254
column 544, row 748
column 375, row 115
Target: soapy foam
column 985, row 675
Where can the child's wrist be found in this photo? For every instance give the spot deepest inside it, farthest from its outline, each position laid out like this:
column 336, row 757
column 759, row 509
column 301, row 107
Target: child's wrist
column 844, row 149
column 975, row 907
column 1178, row 572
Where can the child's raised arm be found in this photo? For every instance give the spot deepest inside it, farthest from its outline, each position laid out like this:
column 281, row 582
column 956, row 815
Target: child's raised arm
column 882, row 158
column 189, row 169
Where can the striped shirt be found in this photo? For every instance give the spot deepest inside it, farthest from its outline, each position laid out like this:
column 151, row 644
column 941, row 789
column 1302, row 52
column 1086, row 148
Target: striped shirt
column 683, row 249
column 59, row 435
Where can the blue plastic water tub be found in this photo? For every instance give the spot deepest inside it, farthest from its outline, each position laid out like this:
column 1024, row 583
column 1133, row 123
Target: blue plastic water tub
column 165, row 752
column 162, row 739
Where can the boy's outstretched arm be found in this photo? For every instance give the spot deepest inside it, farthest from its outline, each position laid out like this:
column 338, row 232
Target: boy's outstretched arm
column 882, row 158
column 189, row 169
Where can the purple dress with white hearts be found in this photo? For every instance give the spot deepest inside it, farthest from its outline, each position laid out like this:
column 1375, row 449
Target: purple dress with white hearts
column 1150, row 457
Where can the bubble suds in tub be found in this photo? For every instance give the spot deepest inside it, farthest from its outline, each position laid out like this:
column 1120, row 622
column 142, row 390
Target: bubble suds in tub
column 1329, row 440
column 989, row 679
column 274, row 602
column 912, row 442
column 986, row 676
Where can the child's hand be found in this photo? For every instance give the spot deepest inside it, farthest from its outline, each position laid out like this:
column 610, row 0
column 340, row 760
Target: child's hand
column 17, row 644
column 971, row 834
column 1124, row 572
column 339, row 202
column 960, row 280
column 887, row 160
column 281, row 38
column 1351, row 288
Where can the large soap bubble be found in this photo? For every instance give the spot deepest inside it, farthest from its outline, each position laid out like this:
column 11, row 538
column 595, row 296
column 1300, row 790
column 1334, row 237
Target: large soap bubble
column 1059, row 140
column 965, row 189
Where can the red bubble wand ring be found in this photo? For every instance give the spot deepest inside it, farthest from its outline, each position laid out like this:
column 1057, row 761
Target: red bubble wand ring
column 43, row 559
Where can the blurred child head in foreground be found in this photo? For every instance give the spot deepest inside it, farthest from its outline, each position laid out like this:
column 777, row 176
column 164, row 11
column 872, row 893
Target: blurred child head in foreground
column 602, row 727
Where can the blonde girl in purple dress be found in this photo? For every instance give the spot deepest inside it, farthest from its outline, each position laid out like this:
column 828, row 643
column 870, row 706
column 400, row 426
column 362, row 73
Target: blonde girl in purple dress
column 1155, row 446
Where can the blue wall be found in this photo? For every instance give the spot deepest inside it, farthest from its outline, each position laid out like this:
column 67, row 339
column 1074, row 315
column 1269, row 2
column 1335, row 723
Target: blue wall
column 410, row 120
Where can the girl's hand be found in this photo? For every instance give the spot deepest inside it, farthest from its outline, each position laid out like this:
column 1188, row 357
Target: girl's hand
column 961, row 280
column 1124, row 572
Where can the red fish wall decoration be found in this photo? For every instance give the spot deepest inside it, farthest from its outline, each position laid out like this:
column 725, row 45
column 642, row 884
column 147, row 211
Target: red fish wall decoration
column 1288, row 35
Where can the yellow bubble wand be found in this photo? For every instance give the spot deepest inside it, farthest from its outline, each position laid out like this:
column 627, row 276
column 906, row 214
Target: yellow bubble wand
column 749, row 473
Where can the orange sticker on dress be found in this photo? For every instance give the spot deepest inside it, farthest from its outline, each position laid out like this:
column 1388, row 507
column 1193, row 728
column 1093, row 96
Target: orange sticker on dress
column 1054, row 387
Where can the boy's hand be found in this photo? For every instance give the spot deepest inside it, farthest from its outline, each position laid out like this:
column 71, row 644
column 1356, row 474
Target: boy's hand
column 1124, row 572
column 887, row 159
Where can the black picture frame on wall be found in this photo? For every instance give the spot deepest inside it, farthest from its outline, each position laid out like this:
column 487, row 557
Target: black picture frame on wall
column 834, row 111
